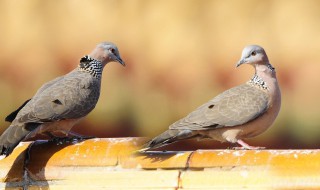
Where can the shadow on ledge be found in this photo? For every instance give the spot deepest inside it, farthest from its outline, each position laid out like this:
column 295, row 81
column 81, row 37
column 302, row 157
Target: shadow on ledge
column 29, row 167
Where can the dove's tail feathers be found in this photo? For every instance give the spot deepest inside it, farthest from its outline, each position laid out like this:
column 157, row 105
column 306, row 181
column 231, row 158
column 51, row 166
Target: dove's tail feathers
column 13, row 135
column 168, row 137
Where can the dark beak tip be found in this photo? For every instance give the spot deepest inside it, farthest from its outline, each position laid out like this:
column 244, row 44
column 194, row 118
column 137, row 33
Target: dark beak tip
column 121, row 62
column 240, row 63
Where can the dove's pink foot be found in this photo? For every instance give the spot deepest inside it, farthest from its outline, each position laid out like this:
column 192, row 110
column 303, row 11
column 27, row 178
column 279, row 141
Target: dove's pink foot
column 245, row 146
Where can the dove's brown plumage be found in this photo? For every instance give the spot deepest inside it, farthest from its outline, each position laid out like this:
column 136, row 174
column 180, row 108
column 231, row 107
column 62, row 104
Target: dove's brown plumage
column 62, row 102
column 241, row 112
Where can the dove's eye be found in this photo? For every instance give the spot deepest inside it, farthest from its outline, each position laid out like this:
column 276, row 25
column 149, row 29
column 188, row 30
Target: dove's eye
column 253, row 53
column 112, row 50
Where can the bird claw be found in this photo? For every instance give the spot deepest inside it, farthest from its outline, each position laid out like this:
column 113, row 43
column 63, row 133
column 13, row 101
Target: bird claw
column 79, row 138
column 59, row 140
column 76, row 139
column 245, row 146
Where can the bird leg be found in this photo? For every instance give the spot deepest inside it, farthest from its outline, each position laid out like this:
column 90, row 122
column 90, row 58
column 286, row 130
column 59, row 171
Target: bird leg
column 245, row 146
column 70, row 137
column 75, row 137
column 54, row 138
column 59, row 139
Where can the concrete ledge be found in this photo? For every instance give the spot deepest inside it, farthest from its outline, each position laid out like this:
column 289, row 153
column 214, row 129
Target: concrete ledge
column 111, row 163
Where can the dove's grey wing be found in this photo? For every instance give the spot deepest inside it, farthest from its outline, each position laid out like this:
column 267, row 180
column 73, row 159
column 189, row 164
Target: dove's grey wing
column 48, row 84
column 233, row 107
column 13, row 115
column 69, row 98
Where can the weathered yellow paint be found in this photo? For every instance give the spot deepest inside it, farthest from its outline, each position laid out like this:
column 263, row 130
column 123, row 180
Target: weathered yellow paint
column 113, row 163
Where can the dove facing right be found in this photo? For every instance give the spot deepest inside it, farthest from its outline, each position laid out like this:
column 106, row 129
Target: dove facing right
column 62, row 102
column 241, row 112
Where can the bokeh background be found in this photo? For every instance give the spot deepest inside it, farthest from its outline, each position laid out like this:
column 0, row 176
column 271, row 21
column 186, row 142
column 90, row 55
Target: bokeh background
column 179, row 54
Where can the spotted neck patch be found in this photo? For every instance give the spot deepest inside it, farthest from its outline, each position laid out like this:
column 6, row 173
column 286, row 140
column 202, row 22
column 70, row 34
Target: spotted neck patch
column 259, row 82
column 90, row 65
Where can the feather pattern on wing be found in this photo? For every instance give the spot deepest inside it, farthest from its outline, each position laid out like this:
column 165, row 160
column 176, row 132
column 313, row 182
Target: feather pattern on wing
column 233, row 107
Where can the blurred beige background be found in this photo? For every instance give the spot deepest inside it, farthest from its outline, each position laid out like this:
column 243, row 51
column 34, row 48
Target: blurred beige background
column 179, row 54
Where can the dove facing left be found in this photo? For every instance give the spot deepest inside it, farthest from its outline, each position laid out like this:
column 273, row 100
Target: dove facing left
column 241, row 112
column 59, row 104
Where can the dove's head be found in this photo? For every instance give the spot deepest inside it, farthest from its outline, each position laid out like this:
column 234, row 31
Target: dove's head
column 106, row 52
column 253, row 55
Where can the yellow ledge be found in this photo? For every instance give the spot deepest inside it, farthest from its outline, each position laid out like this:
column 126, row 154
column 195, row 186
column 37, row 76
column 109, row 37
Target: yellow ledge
column 111, row 164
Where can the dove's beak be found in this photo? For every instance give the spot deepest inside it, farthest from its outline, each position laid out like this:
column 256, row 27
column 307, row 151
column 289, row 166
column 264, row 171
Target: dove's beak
column 242, row 61
column 118, row 59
